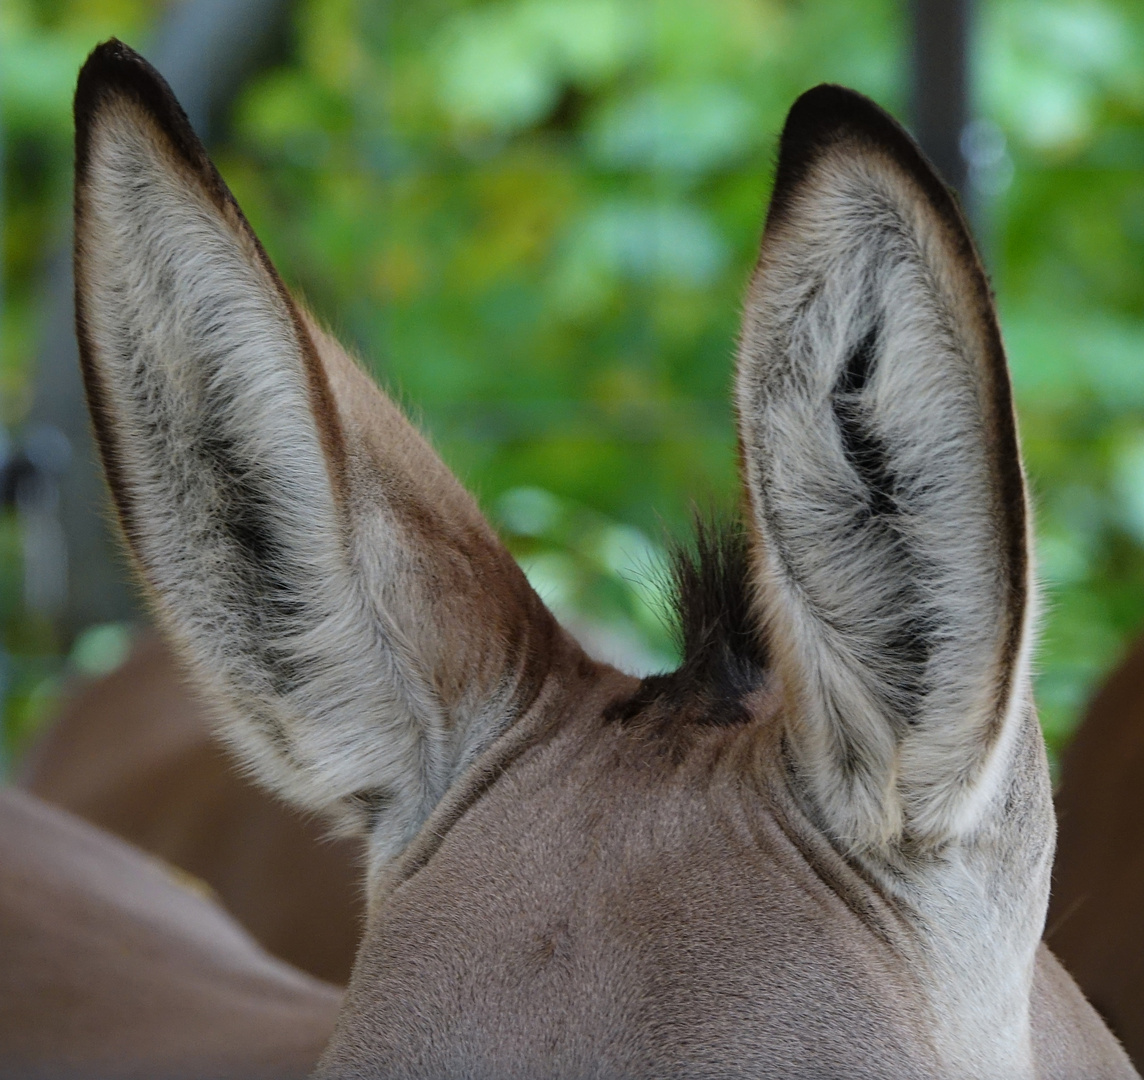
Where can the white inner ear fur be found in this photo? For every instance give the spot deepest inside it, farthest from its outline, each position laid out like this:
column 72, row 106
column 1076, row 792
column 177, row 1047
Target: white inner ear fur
column 233, row 514
column 862, row 395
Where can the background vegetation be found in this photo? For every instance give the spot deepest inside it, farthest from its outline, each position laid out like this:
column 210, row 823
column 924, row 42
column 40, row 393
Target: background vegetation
column 535, row 218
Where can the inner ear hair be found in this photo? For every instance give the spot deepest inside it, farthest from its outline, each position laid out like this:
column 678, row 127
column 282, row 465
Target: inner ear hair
column 881, row 464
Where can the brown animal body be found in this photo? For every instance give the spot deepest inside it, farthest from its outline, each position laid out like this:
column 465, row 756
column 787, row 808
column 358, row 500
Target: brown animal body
column 821, row 847
column 133, row 754
column 1096, row 914
column 110, row 969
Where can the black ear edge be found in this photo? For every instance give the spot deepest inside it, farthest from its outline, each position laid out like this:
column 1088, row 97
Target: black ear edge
column 828, row 115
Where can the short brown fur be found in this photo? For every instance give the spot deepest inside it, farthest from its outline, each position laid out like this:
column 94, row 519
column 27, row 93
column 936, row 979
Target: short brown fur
column 743, row 869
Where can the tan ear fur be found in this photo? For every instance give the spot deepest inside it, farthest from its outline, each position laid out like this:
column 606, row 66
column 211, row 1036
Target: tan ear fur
column 356, row 621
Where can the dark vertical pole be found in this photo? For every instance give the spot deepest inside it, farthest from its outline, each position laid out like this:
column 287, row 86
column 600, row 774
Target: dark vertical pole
column 940, row 89
column 3, row 468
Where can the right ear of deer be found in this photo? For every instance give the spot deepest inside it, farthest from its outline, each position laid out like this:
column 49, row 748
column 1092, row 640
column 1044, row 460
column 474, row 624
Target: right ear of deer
column 881, row 461
column 343, row 600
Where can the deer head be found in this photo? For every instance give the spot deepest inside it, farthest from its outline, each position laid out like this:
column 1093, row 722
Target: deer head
column 827, row 835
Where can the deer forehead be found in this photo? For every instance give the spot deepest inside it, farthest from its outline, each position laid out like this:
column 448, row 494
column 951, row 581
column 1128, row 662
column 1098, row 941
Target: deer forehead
column 633, row 892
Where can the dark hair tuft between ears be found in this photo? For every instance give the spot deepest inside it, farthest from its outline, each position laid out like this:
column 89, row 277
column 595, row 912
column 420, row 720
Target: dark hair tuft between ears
column 724, row 655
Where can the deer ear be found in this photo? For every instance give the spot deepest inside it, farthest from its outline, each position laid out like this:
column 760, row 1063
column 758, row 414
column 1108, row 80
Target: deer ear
column 332, row 586
column 883, row 475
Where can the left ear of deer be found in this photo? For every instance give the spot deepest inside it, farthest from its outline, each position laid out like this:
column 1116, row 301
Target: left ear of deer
column 883, row 473
column 331, row 583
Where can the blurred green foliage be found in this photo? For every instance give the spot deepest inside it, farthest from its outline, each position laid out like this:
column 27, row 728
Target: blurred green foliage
column 42, row 44
column 534, row 219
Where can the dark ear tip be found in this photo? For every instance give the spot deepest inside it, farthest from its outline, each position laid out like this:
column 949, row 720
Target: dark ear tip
column 829, row 106
column 110, row 53
column 110, row 65
column 115, row 70
column 830, row 115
